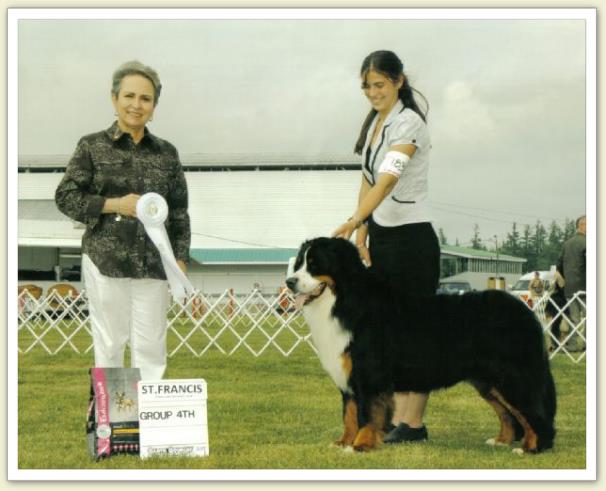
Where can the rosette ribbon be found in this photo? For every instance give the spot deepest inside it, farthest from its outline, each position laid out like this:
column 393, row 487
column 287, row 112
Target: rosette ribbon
column 152, row 211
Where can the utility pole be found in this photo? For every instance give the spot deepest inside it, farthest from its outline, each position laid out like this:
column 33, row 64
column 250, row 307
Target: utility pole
column 497, row 282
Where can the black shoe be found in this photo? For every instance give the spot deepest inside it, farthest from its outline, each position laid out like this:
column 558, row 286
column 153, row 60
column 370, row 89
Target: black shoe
column 389, row 427
column 404, row 433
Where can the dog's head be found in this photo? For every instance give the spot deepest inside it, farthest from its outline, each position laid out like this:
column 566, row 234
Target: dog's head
column 321, row 263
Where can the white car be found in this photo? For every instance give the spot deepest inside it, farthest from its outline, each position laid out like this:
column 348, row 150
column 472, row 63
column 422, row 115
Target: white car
column 520, row 289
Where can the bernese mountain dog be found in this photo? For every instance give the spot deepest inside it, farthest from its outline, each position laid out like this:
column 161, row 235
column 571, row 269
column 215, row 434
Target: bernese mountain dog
column 373, row 344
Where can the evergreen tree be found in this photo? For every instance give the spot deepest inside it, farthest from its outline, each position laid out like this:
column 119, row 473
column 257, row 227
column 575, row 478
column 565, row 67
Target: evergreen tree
column 511, row 245
column 553, row 247
column 526, row 249
column 476, row 241
column 539, row 243
column 540, row 247
column 570, row 229
column 555, row 237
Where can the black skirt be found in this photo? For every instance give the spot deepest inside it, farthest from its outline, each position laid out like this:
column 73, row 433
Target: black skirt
column 408, row 256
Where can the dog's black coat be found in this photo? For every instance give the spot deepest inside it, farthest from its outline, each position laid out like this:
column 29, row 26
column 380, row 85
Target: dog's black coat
column 489, row 339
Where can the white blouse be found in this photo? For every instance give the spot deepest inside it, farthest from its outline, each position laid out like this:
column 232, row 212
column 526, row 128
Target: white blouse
column 406, row 202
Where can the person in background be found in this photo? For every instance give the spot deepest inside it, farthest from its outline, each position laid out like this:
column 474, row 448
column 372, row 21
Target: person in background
column 122, row 271
column 555, row 310
column 572, row 266
column 536, row 287
column 392, row 223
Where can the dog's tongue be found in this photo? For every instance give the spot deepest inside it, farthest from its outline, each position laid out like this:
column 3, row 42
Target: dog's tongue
column 300, row 300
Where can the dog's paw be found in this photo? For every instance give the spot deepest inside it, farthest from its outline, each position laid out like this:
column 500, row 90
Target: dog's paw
column 363, row 448
column 340, row 444
column 493, row 442
column 348, row 449
column 518, row 451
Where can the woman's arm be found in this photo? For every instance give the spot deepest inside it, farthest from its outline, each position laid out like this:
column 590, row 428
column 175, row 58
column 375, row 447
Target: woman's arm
column 372, row 198
column 73, row 196
column 362, row 231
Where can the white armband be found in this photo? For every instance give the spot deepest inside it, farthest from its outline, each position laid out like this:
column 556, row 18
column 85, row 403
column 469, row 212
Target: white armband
column 394, row 163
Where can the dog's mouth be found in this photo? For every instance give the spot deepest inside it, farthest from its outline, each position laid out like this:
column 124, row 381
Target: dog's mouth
column 303, row 299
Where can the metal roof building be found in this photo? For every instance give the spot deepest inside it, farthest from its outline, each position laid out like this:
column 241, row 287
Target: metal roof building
column 247, row 220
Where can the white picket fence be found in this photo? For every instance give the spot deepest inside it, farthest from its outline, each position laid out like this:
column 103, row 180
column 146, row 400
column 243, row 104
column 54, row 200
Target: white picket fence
column 229, row 322
column 571, row 340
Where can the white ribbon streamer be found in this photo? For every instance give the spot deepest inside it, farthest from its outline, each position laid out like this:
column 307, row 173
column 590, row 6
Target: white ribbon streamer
column 152, row 211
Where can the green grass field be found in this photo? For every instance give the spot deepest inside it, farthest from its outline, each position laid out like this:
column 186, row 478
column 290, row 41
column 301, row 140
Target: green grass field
column 276, row 412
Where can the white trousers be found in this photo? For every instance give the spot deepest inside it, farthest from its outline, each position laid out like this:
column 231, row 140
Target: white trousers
column 123, row 310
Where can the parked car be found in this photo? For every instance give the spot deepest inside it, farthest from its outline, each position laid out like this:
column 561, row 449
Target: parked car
column 453, row 287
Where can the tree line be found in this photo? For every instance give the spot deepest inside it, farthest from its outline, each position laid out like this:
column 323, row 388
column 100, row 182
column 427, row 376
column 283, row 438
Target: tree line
column 539, row 245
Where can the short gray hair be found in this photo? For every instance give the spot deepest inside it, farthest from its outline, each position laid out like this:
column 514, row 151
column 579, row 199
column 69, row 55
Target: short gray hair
column 136, row 68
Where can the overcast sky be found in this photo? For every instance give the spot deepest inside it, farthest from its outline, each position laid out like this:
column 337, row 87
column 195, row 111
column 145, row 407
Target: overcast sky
column 507, row 99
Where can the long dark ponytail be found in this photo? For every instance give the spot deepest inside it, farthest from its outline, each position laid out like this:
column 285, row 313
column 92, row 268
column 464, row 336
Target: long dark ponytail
column 388, row 64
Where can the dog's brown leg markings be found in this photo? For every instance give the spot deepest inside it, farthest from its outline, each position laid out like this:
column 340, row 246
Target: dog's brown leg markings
column 350, row 424
column 371, row 435
column 367, row 438
column 507, row 432
column 529, row 442
column 381, row 412
column 350, row 411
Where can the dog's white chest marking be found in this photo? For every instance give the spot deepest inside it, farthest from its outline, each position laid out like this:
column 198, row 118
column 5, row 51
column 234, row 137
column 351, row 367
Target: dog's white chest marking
column 329, row 338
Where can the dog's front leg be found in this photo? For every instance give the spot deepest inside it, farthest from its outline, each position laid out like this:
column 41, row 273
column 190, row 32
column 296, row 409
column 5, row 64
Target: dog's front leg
column 372, row 414
column 350, row 421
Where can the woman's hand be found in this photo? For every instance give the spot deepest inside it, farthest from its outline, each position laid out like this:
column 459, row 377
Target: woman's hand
column 182, row 266
column 124, row 206
column 127, row 205
column 346, row 230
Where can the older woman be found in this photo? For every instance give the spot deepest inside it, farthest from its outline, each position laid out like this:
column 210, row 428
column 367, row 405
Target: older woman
column 122, row 270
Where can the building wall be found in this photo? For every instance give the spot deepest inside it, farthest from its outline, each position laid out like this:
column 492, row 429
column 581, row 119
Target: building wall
column 209, row 279
column 228, row 209
column 216, row 279
column 38, row 258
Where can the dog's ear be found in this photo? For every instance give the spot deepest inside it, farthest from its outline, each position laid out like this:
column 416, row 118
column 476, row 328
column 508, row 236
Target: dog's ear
column 306, row 244
column 300, row 254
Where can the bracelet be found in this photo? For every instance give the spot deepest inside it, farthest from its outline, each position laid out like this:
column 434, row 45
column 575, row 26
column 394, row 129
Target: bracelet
column 359, row 222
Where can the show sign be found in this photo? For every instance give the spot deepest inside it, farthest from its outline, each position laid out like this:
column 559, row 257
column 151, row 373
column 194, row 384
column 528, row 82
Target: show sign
column 173, row 418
